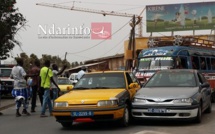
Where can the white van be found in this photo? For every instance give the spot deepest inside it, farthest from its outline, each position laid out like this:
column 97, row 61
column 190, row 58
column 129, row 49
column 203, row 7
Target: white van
column 73, row 78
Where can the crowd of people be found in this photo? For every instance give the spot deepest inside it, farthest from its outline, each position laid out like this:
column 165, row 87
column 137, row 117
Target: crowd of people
column 37, row 81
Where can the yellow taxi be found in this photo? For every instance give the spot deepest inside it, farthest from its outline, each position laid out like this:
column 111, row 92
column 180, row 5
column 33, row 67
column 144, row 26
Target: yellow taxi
column 98, row 96
column 64, row 84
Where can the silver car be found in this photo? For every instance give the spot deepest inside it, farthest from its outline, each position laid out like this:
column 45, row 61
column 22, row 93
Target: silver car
column 173, row 94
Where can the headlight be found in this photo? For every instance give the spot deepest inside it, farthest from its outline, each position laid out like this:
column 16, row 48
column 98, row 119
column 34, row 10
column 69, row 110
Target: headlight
column 107, row 103
column 60, row 104
column 184, row 100
column 138, row 100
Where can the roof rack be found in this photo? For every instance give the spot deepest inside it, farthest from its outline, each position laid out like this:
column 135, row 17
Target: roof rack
column 178, row 40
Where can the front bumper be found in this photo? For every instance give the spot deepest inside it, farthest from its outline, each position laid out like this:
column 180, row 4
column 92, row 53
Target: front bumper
column 166, row 112
column 98, row 114
column 6, row 89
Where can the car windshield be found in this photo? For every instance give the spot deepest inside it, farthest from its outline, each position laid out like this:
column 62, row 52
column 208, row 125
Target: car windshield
column 5, row 72
column 155, row 63
column 63, row 81
column 172, row 79
column 101, row 81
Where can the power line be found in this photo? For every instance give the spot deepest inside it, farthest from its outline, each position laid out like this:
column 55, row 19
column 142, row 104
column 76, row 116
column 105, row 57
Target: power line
column 130, row 8
column 116, row 44
column 85, row 57
column 101, row 41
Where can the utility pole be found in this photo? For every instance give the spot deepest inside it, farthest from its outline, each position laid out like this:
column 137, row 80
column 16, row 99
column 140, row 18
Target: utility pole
column 130, row 63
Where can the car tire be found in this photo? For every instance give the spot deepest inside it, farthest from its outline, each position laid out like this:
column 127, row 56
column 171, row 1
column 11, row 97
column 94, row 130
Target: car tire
column 209, row 109
column 198, row 118
column 66, row 124
column 124, row 122
column 213, row 97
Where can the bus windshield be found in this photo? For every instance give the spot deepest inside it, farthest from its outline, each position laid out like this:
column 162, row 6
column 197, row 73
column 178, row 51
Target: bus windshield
column 155, row 63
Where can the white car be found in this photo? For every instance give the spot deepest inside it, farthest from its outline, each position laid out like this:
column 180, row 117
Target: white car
column 73, row 78
column 175, row 94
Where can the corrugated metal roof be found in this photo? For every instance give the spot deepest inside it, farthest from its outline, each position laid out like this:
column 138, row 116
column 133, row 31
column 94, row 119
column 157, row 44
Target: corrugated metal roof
column 87, row 65
column 105, row 58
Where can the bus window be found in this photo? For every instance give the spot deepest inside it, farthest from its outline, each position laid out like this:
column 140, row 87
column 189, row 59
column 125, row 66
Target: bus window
column 195, row 62
column 184, row 62
column 202, row 63
column 181, row 62
column 208, row 63
column 213, row 63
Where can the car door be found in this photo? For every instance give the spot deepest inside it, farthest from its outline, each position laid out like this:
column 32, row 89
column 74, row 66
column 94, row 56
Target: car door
column 132, row 91
column 205, row 91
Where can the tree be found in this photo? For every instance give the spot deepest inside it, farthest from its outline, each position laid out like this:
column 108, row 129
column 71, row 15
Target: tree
column 11, row 22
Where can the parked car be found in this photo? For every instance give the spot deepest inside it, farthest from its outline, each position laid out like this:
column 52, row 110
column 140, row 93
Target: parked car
column 173, row 94
column 98, row 96
column 73, row 78
column 64, row 84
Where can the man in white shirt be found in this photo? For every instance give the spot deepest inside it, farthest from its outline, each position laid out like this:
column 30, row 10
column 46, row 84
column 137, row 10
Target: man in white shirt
column 81, row 72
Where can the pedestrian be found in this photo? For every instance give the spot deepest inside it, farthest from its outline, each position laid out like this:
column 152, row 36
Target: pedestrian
column 35, row 85
column 56, row 73
column 46, row 77
column 81, row 72
column 20, row 91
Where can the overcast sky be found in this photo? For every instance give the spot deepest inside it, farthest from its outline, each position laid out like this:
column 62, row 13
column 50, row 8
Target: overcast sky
column 81, row 49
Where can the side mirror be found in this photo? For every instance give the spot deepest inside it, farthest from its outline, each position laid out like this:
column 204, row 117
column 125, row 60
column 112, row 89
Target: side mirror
column 205, row 85
column 69, row 88
column 133, row 85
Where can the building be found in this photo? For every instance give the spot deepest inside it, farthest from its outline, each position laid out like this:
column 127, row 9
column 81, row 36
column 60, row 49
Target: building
column 115, row 62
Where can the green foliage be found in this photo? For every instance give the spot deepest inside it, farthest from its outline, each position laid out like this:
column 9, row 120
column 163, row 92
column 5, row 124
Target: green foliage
column 10, row 22
column 29, row 60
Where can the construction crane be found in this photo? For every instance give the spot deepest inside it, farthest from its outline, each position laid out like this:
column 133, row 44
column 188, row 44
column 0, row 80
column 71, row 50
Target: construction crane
column 131, row 45
column 104, row 13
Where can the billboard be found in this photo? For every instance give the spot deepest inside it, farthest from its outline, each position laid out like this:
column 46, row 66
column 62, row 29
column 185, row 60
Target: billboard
column 180, row 17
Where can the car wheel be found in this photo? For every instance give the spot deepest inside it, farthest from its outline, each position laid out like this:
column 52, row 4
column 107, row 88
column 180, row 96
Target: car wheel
column 213, row 97
column 126, row 116
column 66, row 124
column 209, row 109
column 198, row 118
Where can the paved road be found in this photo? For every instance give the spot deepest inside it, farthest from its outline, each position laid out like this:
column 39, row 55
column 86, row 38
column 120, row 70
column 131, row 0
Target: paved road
column 6, row 102
column 9, row 124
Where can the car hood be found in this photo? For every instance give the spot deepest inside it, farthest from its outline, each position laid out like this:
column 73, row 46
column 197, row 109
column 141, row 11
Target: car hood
column 164, row 93
column 89, row 96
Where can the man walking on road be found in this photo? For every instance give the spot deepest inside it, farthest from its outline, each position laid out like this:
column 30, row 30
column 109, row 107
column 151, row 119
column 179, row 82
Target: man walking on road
column 20, row 91
column 35, row 85
column 46, row 77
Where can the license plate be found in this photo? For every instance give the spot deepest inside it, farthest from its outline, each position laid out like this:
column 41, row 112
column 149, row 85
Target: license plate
column 82, row 113
column 156, row 110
